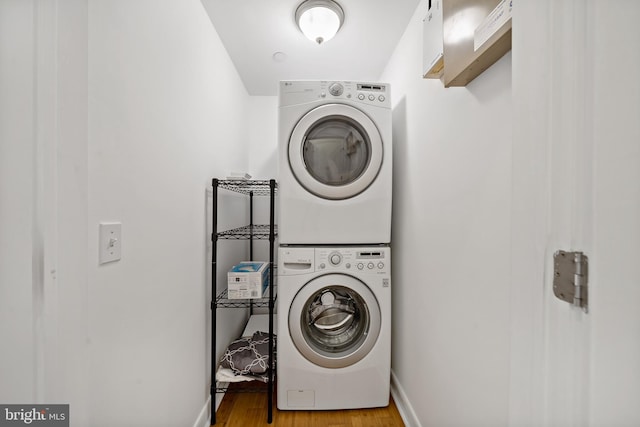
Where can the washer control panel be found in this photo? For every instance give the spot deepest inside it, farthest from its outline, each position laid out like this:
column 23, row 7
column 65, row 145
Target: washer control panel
column 366, row 260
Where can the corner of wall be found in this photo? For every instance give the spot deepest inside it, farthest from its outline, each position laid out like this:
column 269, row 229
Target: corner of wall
column 204, row 417
column 403, row 404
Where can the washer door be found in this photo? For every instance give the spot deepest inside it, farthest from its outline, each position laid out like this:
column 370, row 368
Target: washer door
column 334, row 320
column 335, row 151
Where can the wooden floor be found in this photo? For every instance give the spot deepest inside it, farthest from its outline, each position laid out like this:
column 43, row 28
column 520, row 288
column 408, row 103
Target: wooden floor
column 250, row 409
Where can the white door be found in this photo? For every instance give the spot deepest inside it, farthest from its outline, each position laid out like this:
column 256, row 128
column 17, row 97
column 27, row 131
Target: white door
column 335, row 151
column 577, row 188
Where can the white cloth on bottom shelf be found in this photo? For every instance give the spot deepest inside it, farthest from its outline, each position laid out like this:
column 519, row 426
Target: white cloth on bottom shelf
column 226, row 375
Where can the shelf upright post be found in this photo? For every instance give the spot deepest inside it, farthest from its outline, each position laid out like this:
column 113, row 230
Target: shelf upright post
column 251, row 240
column 214, row 280
column 251, row 225
column 272, row 190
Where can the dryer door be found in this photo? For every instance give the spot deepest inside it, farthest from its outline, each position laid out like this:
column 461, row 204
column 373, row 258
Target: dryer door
column 334, row 320
column 335, row 151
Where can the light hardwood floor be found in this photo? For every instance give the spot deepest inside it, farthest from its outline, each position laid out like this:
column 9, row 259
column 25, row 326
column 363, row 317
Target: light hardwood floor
column 250, row 409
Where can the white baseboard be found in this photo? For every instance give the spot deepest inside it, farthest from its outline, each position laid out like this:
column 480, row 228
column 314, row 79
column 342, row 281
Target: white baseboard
column 402, row 402
column 204, row 417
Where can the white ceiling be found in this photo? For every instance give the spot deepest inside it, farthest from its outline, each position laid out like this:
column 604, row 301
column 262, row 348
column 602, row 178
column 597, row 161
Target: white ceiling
column 254, row 30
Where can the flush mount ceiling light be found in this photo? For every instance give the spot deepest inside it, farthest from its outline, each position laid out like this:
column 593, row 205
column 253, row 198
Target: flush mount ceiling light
column 319, row 20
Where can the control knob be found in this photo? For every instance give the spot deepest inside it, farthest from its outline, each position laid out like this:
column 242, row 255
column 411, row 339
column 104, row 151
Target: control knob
column 336, row 89
column 335, row 258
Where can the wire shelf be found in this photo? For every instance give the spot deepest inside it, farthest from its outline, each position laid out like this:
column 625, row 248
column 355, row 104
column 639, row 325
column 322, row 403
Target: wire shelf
column 258, row 187
column 256, row 231
column 223, row 301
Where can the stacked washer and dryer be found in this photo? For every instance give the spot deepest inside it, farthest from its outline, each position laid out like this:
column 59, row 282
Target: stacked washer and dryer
column 334, row 231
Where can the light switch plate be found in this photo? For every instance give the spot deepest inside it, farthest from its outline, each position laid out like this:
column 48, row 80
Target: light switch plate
column 110, row 242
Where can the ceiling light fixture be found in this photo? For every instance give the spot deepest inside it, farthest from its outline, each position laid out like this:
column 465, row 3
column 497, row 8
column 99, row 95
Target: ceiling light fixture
column 319, row 20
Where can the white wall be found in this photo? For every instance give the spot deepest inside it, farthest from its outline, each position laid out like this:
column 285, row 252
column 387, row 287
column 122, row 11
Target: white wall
column 113, row 111
column 44, row 210
column 167, row 112
column 263, row 150
column 66, row 355
column 263, row 157
column 450, row 242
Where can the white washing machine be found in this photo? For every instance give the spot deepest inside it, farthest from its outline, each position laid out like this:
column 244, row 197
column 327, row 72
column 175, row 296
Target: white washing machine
column 334, row 317
column 335, row 164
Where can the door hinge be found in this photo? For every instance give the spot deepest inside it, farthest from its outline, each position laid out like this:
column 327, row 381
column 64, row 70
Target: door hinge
column 570, row 278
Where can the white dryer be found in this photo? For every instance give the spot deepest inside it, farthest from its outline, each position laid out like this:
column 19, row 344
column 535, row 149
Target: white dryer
column 334, row 317
column 335, row 164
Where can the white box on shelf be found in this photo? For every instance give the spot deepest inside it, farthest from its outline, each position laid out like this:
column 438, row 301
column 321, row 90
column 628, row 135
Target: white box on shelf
column 248, row 280
column 492, row 23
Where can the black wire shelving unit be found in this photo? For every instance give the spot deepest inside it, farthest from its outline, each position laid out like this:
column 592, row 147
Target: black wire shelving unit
column 249, row 232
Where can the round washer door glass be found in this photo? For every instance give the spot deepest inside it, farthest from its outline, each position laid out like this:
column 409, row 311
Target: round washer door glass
column 335, row 151
column 334, row 320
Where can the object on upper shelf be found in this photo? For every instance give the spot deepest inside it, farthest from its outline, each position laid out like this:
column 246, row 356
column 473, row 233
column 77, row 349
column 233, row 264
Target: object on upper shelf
column 475, row 33
column 239, row 175
column 432, row 44
column 492, row 23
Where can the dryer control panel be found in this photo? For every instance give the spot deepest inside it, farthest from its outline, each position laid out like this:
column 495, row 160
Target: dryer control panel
column 293, row 92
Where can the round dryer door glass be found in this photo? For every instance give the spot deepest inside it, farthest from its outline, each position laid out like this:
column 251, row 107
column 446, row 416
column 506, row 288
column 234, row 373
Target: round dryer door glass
column 335, row 151
column 334, row 321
